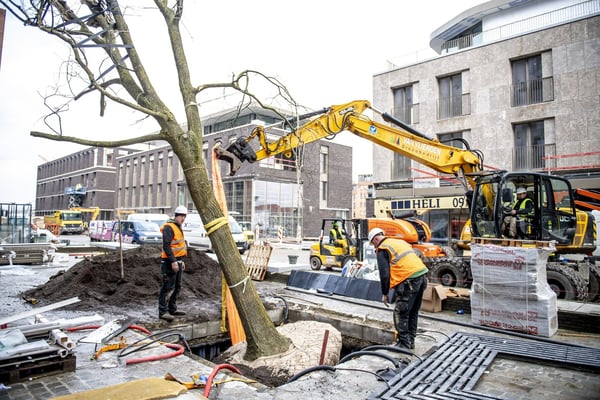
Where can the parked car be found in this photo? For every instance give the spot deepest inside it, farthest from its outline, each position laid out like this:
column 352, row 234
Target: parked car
column 137, row 232
column 158, row 219
column 195, row 234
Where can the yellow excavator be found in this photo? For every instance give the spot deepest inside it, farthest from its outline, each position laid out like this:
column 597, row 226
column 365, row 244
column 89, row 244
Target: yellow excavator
column 93, row 211
column 488, row 193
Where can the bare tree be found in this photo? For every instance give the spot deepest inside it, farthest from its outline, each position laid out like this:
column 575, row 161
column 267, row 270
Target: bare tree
column 105, row 57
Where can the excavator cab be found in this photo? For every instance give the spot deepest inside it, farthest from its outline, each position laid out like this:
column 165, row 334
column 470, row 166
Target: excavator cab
column 553, row 217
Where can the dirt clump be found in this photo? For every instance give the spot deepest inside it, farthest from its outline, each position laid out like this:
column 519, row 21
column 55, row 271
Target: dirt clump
column 97, row 282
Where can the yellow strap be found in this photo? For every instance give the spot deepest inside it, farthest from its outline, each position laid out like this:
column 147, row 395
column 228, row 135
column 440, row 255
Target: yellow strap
column 215, row 224
column 109, row 347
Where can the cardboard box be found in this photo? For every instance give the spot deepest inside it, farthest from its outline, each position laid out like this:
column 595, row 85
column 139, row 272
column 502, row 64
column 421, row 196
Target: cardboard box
column 432, row 297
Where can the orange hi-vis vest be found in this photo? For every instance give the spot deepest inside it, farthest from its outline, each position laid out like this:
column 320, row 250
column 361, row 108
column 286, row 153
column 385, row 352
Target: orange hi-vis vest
column 404, row 262
column 178, row 243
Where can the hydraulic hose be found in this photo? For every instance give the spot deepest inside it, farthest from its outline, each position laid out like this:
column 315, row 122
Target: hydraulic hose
column 309, row 370
column 286, row 309
column 153, row 338
column 392, row 348
column 212, row 375
column 370, row 353
column 83, row 328
column 179, row 350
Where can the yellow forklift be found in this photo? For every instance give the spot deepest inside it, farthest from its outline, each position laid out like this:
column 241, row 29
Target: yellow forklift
column 336, row 251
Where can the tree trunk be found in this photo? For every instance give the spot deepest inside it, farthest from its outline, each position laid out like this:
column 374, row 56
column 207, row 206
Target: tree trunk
column 262, row 337
column 115, row 40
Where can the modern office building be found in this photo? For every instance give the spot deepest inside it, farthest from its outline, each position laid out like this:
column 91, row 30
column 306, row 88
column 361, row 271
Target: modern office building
column 83, row 179
column 518, row 81
column 292, row 193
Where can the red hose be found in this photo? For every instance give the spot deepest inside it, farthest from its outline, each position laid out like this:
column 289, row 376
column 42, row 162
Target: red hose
column 140, row 328
column 86, row 327
column 212, row 376
column 179, row 351
column 83, row 328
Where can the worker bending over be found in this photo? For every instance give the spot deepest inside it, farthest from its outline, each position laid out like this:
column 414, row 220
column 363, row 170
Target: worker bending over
column 402, row 275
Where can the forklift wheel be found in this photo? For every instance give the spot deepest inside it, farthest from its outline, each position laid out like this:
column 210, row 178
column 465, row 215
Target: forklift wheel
column 315, row 263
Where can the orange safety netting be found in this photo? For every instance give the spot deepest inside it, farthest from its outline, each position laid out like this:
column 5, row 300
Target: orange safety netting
column 236, row 330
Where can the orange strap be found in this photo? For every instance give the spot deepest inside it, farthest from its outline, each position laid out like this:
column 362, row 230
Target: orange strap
column 236, row 330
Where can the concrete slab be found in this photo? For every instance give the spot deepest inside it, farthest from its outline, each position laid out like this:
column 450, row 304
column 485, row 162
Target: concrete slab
column 281, row 268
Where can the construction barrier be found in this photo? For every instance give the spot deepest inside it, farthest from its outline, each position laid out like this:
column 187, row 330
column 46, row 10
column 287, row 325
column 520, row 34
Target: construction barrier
column 54, row 228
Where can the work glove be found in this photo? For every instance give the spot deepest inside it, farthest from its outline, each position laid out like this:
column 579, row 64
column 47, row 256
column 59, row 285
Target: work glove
column 385, row 300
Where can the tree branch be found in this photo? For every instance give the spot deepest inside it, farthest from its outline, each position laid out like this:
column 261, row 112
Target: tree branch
column 98, row 143
column 186, row 88
column 241, row 83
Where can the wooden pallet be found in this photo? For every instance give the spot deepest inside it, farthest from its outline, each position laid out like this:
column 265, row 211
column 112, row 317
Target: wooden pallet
column 257, row 261
column 31, row 368
column 510, row 242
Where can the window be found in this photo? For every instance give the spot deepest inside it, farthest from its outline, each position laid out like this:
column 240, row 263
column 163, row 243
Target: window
column 403, row 104
column 234, row 193
column 450, row 103
column 529, row 145
column 401, row 167
column 454, row 139
column 527, row 81
column 323, row 174
column 324, row 160
column 324, row 192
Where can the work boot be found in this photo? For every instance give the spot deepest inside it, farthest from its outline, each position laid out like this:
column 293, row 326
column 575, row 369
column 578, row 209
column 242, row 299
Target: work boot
column 167, row 317
column 402, row 345
column 178, row 313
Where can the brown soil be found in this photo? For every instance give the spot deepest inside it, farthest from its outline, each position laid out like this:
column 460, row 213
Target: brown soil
column 98, row 284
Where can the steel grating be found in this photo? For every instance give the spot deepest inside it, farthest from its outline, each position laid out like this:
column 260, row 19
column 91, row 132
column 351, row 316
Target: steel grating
column 453, row 370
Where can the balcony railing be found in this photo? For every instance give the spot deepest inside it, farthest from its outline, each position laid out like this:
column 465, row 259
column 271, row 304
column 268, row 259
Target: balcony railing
column 455, row 106
column 537, row 157
column 537, row 22
column 532, row 92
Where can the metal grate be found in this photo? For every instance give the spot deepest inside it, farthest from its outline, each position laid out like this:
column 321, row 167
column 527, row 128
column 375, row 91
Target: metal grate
column 454, row 368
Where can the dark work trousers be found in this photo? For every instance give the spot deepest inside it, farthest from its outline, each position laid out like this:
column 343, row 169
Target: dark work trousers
column 408, row 297
column 171, row 285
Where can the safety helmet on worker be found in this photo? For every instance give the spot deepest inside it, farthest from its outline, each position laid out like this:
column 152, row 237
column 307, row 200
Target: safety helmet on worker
column 336, row 224
column 180, row 210
column 521, row 190
column 374, row 232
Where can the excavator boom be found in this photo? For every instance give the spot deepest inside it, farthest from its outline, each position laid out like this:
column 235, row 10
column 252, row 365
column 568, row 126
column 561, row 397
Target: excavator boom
column 349, row 117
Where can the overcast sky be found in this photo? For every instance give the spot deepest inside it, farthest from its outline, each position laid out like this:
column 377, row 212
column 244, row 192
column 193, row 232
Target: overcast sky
column 324, row 52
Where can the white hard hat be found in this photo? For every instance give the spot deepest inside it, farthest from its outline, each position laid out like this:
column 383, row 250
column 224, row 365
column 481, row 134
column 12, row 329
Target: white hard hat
column 374, row 232
column 521, row 189
column 181, row 210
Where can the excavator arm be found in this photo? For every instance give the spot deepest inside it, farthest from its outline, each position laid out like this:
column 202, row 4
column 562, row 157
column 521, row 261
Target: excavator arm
column 405, row 140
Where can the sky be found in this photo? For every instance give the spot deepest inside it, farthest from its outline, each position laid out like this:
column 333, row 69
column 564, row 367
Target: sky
column 324, row 52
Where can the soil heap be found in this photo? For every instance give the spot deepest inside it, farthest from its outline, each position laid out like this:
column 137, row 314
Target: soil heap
column 97, row 282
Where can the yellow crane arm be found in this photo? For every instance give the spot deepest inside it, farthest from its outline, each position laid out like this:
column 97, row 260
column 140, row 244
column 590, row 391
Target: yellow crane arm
column 349, row 117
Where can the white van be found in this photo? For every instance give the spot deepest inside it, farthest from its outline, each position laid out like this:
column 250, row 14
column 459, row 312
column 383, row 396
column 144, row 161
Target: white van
column 195, row 234
column 158, row 219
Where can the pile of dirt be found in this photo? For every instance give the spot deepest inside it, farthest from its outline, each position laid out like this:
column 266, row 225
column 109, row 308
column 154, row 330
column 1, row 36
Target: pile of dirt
column 97, row 282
